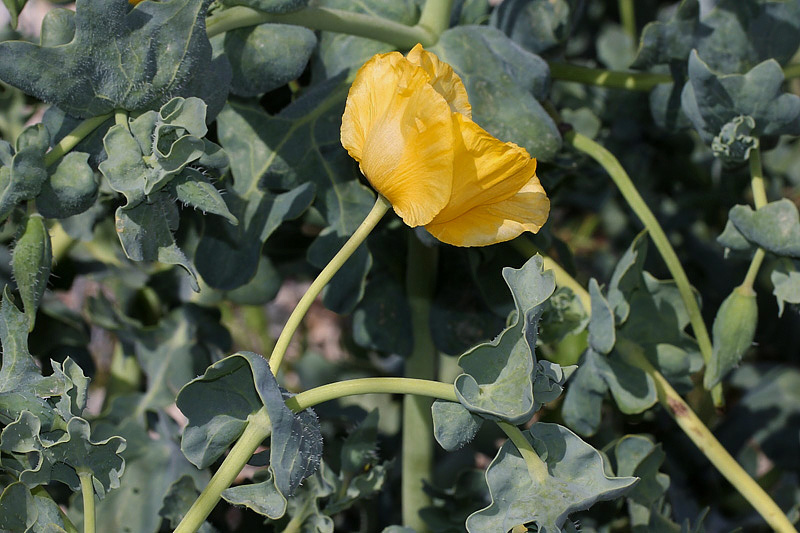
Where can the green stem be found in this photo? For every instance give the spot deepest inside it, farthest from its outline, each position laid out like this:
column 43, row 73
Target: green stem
column 435, row 16
column 354, row 387
column 258, row 428
column 73, row 138
column 418, row 448
column 759, row 200
column 792, row 71
column 634, row 81
column 627, row 17
column 637, row 203
column 325, row 19
column 87, row 491
column 537, row 468
column 708, row 444
column 378, row 210
column 563, row 279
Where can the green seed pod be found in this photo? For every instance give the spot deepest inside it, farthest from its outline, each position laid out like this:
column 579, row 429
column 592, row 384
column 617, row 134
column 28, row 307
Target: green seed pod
column 31, row 264
column 70, row 190
column 733, row 332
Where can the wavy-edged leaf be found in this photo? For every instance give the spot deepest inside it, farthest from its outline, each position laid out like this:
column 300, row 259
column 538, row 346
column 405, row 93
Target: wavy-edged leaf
column 774, row 227
column 786, row 288
column 498, row 376
column 453, row 425
column 134, row 59
column 576, row 480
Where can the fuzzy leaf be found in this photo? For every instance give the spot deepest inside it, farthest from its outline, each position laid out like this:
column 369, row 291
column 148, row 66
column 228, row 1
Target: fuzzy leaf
column 262, row 497
column 453, row 425
column 133, row 59
column 576, row 481
column 21, row 174
column 191, row 188
column 774, row 227
column 537, row 25
column 601, row 324
column 218, row 403
column 31, row 263
column 70, row 190
column 786, row 288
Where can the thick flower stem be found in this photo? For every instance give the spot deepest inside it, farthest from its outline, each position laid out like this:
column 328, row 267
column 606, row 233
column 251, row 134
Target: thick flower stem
column 633, row 81
column 258, row 428
column 637, row 203
column 708, row 444
column 325, row 19
column 435, row 16
column 417, row 463
column 87, row 492
column 627, row 17
column 378, row 210
column 74, row 137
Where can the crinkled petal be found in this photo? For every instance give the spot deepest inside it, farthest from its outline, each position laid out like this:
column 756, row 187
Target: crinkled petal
column 485, row 170
column 443, row 79
column 400, row 130
column 486, row 224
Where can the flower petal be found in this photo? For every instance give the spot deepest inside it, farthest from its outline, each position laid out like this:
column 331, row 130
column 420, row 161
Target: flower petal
column 527, row 210
column 443, row 79
column 400, row 130
column 496, row 194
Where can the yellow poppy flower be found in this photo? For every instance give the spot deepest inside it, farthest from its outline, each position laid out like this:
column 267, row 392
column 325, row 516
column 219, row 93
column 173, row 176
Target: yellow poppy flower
column 409, row 124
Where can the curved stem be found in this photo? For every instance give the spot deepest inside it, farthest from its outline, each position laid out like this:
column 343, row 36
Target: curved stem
column 752, row 271
column 325, row 19
column 537, row 468
column 378, row 210
column 634, row 81
column 792, row 71
column 708, row 444
column 73, row 138
column 258, row 428
column 87, row 492
column 435, row 16
column 354, row 387
column 417, row 463
column 637, row 203
column 759, row 200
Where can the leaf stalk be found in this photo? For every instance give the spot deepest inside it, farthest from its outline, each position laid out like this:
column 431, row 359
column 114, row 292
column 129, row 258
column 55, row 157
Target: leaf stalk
column 380, row 208
column 418, row 448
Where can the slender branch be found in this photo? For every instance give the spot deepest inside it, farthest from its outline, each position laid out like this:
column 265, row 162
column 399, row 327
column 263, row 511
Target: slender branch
column 378, row 210
column 634, row 81
column 757, row 178
column 325, row 19
column 354, row 387
column 752, row 270
column 87, row 492
column 74, row 137
column 700, row 435
column 258, row 428
column 435, row 16
column 418, row 448
column 637, row 203
column 537, row 468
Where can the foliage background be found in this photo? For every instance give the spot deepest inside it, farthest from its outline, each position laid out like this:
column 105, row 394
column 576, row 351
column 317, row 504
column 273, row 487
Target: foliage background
column 140, row 332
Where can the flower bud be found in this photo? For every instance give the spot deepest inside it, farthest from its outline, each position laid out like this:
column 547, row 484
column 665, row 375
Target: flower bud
column 733, row 333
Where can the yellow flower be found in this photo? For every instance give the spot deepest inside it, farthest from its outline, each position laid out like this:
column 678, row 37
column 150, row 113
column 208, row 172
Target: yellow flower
column 408, row 123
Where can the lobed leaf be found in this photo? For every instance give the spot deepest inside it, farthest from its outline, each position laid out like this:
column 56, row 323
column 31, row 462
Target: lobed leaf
column 498, row 376
column 122, row 58
column 576, row 480
column 774, row 227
